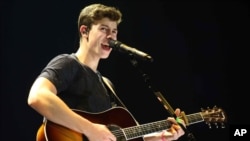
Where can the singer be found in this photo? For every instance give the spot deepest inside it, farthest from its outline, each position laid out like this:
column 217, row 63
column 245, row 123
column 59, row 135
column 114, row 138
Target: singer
column 70, row 85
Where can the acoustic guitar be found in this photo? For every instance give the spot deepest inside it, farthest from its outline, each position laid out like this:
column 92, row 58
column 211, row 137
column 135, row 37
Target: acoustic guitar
column 123, row 125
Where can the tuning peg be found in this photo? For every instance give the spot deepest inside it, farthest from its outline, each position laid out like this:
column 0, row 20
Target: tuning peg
column 202, row 110
column 209, row 125
column 215, row 108
column 208, row 109
column 216, row 125
column 222, row 125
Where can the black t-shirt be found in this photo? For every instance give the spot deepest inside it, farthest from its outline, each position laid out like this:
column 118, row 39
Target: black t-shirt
column 77, row 85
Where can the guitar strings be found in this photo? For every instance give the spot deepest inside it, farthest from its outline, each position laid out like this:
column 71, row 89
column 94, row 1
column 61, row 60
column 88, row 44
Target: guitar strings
column 138, row 131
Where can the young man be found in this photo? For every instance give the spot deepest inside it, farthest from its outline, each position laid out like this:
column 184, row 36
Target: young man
column 72, row 81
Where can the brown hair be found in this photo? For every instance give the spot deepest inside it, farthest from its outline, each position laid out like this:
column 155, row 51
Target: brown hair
column 95, row 12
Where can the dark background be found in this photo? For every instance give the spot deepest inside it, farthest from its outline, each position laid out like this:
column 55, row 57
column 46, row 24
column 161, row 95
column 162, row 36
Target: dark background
column 200, row 52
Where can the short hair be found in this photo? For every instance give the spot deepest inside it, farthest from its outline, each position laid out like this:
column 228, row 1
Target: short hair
column 94, row 12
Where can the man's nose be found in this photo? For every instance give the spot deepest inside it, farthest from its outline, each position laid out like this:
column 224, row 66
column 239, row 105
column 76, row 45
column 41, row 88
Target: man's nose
column 109, row 36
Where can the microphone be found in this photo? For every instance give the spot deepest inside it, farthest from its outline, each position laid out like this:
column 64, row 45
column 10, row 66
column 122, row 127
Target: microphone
column 116, row 45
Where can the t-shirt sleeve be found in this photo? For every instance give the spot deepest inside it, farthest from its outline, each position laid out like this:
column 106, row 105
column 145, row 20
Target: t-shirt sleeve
column 60, row 71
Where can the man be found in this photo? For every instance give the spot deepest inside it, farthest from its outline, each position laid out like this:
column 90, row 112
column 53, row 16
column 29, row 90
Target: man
column 72, row 81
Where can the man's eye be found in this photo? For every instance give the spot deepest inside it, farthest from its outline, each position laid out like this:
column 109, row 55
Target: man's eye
column 104, row 29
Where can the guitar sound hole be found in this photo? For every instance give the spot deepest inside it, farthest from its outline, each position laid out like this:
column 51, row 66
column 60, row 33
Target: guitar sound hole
column 116, row 130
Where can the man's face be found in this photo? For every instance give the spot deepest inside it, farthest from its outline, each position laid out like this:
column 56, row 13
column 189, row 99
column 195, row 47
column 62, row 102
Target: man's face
column 99, row 34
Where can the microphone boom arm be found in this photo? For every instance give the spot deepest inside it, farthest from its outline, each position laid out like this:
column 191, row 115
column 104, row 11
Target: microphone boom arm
column 163, row 101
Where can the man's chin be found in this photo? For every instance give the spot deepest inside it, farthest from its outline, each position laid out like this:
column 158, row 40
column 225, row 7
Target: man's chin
column 105, row 56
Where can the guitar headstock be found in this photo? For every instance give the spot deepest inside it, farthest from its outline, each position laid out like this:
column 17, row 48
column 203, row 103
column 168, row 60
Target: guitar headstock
column 214, row 116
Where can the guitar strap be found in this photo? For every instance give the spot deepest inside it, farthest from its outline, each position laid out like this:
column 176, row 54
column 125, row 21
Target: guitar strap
column 109, row 85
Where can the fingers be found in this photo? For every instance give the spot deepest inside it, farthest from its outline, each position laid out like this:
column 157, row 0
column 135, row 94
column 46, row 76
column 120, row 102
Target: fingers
column 101, row 133
column 178, row 129
column 171, row 134
column 176, row 121
column 112, row 138
column 174, row 132
column 177, row 112
column 172, row 120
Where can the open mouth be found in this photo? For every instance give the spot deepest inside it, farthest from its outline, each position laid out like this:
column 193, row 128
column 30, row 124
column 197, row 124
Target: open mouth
column 105, row 47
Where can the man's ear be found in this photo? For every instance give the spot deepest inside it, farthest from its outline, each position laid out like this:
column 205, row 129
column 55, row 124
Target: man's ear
column 83, row 29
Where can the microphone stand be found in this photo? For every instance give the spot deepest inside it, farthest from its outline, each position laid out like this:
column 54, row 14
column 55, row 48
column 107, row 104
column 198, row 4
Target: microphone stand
column 162, row 100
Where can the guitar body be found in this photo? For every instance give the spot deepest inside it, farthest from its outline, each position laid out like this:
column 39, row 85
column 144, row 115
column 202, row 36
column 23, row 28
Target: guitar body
column 114, row 118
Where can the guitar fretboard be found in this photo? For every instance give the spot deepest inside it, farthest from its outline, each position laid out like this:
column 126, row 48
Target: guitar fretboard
column 194, row 118
column 143, row 129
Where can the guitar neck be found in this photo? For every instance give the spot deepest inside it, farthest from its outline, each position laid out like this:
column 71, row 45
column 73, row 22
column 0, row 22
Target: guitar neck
column 143, row 129
column 194, row 118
